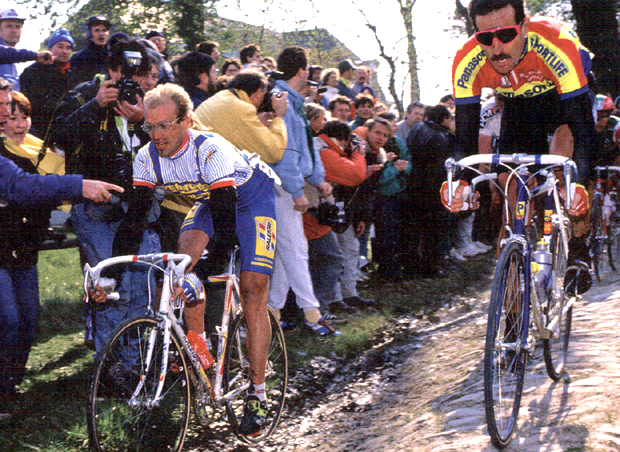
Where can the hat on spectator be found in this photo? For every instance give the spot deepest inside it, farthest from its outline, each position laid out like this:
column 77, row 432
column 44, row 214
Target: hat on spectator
column 98, row 19
column 62, row 34
column 345, row 65
column 153, row 33
column 10, row 14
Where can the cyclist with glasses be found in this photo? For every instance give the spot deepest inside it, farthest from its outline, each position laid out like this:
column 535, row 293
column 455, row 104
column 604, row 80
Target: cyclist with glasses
column 540, row 68
column 234, row 200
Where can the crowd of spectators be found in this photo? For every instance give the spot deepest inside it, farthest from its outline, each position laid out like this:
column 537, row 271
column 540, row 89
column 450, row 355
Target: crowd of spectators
column 353, row 191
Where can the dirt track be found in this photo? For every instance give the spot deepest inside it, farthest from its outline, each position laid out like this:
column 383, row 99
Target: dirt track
column 425, row 394
column 432, row 400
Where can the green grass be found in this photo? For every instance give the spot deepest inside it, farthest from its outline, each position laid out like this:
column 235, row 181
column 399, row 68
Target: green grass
column 52, row 414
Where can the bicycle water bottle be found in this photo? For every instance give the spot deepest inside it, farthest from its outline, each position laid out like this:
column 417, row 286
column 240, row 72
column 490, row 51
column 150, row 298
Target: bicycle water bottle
column 200, row 348
column 542, row 262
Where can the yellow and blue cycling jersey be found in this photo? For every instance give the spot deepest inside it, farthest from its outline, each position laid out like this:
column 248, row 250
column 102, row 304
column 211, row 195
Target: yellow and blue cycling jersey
column 205, row 162
column 553, row 59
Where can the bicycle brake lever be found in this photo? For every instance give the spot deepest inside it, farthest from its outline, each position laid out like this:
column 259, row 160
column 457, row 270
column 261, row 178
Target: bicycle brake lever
column 450, row 163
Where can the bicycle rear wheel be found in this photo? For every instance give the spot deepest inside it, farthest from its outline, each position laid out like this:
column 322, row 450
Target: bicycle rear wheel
column 116, row 421
column 555, row 349
column 505, row 357
column 237, row 375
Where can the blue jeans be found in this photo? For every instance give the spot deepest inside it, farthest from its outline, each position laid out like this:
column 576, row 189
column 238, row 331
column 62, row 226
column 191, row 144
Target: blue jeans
column 19, row 314
column 96, row 234
column 326, row 265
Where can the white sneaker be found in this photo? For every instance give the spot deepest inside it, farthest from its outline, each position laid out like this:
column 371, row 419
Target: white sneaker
column 469, row 250
column 484, row 248
column 455, row 255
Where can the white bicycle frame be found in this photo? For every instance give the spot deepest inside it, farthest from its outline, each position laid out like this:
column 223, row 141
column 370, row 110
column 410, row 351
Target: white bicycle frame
column 173, row 275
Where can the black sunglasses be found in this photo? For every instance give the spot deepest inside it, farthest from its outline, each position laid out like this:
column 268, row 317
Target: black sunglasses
column 505, row 35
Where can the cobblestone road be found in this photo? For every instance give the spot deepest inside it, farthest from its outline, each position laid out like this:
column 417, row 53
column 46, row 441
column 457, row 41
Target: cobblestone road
column 433, row 399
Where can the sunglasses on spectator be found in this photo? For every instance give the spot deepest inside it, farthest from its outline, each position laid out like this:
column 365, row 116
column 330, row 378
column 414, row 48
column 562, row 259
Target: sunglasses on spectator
column 163, row 126
column 504, row 35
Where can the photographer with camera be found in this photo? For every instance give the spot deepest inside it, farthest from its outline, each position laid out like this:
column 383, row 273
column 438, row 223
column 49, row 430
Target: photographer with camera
column 233, row 113
column 98, row 126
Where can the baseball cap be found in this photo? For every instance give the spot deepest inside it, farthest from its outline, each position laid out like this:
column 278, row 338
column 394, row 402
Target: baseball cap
column 98, row 19
column 153, row 33
column 10, row 14
column 345, row 65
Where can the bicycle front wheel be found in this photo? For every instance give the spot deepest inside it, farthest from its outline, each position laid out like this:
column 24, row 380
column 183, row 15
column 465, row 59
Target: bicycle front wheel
column 122, row 418
column 505, row 357
column 555, row 349
column 237, row 376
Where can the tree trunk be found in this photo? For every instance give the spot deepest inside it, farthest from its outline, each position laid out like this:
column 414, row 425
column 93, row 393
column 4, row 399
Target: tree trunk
column 405, row 11
column 597, row 28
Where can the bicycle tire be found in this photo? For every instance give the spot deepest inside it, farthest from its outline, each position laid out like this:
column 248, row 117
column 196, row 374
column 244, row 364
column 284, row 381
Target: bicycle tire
column 504, row 366
column 114, row 424
column 555, row 349
column 237, row 374
column 613, row 244
column 596, row 232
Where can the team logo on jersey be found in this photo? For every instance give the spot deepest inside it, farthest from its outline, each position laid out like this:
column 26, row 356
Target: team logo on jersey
column 266, row 239
column 533, row 76
column 506, row 82
column 520, row 210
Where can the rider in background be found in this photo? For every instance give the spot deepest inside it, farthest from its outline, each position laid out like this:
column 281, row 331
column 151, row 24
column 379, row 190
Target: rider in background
column 607, row 131
column 540, row 68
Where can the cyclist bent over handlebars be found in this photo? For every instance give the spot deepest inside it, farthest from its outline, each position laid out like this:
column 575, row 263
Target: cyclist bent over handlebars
column 540, row 68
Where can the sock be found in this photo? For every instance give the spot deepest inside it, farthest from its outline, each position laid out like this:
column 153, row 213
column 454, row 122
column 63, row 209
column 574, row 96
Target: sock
column 258, row 391
column 313, row 315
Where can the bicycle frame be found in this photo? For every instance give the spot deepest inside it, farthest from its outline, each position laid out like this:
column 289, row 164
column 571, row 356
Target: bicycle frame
column 174, row 274
column 520, row 215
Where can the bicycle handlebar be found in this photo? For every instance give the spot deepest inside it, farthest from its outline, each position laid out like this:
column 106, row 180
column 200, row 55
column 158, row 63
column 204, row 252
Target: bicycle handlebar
column 517, row 159
column 94, row 273
column 608, row 168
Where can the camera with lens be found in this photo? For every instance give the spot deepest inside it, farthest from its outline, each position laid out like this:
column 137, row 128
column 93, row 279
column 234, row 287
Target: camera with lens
column 266, row 106
column 127, row 87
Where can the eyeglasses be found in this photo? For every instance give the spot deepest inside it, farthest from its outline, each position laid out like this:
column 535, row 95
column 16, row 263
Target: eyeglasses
column 504, row 35
column 163, row 126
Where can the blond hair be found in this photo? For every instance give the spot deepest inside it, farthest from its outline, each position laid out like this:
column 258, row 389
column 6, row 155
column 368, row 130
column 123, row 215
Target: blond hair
column 174, row 94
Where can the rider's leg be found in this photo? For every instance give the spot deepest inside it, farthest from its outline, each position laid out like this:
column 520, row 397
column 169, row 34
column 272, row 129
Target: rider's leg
column 193, row 242
column 254, row 289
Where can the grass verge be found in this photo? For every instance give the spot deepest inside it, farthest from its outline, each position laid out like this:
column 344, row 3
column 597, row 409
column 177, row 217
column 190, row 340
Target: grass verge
column 52, row 414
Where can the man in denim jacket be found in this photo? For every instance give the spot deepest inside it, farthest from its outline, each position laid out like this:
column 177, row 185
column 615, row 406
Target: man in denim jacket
column 299, row 163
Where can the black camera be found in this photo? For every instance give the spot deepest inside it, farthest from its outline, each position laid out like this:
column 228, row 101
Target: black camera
column 266, row 106
column 128, row 89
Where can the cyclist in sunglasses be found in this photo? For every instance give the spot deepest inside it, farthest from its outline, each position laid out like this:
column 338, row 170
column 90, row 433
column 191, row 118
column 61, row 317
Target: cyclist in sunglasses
column 540, row 68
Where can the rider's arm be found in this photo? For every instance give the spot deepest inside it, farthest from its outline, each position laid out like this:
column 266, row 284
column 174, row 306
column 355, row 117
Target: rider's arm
column 577, row 112
column 467, row 129
column 129, row 233
column 223, row 206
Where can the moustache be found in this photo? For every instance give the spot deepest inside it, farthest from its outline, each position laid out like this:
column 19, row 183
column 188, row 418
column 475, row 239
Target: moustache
column 501, row 56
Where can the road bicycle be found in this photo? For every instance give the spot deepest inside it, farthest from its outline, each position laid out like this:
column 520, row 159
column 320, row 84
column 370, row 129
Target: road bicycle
column 605, row 221
column 148, row 375
column 528, row 300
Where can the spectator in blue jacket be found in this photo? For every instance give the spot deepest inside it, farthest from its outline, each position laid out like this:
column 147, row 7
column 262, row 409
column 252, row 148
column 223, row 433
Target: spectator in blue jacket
column 25, row 197
column 300, row 163
column 11, row 24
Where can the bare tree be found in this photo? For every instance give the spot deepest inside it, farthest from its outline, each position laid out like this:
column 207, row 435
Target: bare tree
column 405, row 7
